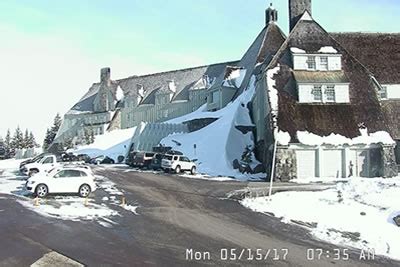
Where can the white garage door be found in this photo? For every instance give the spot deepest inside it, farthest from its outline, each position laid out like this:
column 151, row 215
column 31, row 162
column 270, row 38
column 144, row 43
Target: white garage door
column 306, row 163
column 332, row 163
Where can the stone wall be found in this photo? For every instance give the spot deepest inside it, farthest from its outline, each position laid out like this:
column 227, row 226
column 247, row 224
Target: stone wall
column 285, row 164
column 389, row 162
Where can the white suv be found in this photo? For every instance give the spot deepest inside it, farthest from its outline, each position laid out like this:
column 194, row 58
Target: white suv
column 62, row 180
column 178, row 163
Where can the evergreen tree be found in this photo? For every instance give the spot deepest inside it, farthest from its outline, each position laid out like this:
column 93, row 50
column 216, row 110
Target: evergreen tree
column 17, row 141
column 52, row 132
column 25, row 143
column 32, row 141
column 7, row 144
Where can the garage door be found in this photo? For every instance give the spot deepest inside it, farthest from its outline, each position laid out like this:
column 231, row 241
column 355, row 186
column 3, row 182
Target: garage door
column 332, row 163
column 306, row 163
column 360, row 162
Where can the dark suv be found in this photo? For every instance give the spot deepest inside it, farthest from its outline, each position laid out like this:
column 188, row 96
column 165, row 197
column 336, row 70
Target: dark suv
column 142, row 159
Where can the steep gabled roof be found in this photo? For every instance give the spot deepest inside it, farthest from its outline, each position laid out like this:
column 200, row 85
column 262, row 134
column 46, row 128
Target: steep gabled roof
column 379, row 52
column 344, row 119
column 184, row 80
column 262, row 49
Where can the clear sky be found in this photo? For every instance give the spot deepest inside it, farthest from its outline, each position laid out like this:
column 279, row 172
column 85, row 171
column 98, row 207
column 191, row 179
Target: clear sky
column 52, row 51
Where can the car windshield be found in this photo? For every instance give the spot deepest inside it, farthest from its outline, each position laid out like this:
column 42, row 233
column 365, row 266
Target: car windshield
column 168, row 157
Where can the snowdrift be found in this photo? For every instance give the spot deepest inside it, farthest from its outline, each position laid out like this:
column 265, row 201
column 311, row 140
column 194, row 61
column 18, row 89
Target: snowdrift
column 217, row 145
column 111, row 144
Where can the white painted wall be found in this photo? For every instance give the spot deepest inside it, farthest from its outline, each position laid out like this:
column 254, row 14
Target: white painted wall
column 342, row 93
column 334, row 61
column 393, row 91
column 306, row 96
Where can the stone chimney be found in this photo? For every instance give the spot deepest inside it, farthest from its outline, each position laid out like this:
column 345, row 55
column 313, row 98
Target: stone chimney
column 296, row 10
column 271, row 15
column 105, row 75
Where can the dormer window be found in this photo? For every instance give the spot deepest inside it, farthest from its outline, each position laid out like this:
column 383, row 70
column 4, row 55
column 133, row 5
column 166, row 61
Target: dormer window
column 330, row 95
column 317, row 93
column 324, row 63
column 311, row 64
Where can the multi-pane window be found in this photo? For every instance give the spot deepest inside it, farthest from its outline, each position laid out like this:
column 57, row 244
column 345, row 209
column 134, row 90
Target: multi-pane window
column 215, row 97
column 324, row 63
column 311, row 65
column 330, row 93
column 317, row 93
column 383, row 92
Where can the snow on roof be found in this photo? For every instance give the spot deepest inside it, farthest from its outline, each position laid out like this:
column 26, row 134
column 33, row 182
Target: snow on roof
column 297, row 50
column 365, row 138
column 235, row 78
column 327, row 49
column 214, row 150
column 306, row 16
column 119, row 95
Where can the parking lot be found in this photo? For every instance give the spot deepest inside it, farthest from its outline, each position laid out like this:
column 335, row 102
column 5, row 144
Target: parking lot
column 164, row 216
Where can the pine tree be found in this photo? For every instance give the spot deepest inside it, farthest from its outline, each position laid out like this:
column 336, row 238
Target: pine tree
column 7, row 144
column 52, row 132
column 25, row 143
column 32, row 141
column 17, row 140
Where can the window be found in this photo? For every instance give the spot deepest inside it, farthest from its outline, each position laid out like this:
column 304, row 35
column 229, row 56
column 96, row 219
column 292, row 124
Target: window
column 383, row 92
column 215, row 97
column 48, row 160
column 185, row 159
column 317, row 93
column 69, row 173
column 330, row 93
column 311, row 63
column 324, row 63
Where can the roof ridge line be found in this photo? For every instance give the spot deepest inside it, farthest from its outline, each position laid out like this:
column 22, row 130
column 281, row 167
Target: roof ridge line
column 169, row 71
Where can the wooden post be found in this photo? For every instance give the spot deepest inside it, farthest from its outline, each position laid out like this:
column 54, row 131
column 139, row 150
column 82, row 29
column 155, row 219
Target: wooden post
column 37, row 203
column 86, row 202
column 123, row 201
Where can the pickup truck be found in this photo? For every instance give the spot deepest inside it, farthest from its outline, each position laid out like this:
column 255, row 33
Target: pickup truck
column 43, row 164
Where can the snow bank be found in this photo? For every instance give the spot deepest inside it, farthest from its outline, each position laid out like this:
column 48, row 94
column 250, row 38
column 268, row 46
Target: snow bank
column 363, row 207
column 235, row 79
column 111, row 144
column 272, row 92
column 366, row 138
column 327, row 49
column 220, row 143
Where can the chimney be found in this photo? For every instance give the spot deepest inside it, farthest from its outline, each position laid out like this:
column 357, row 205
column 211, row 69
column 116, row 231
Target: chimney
column 297, row 9
column 105, row 75
column 271, row 15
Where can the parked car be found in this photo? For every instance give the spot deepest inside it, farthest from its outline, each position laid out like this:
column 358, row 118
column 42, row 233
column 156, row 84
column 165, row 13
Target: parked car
column 178, row 163
column 31, row 160
column 102, row 160
column 84, row 157
column 68, row 157
column 41, row 164
column 65, row 180
column 156, row 161
column 142, row 159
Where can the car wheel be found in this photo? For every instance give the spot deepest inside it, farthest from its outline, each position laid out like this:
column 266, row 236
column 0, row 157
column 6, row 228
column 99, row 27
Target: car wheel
column 178, row 169
column 193, row 170
column 84, row 190
column 41, row 190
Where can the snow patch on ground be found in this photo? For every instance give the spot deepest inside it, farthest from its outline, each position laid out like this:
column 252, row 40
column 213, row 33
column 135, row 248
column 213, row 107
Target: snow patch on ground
column 68, row 208
column 131, row 208
column 357, row 213
column 207, row 177
column 111, row 144
column 220, row 143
